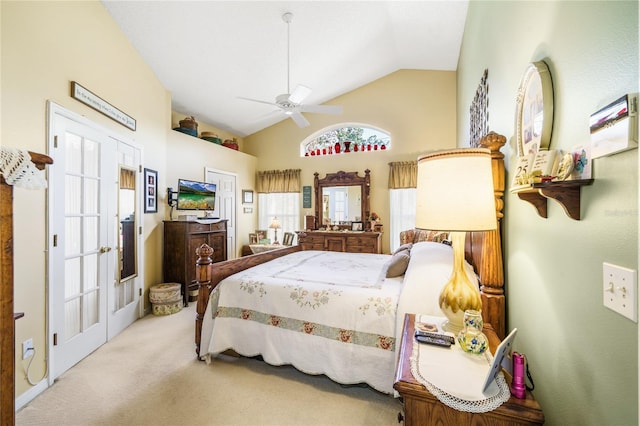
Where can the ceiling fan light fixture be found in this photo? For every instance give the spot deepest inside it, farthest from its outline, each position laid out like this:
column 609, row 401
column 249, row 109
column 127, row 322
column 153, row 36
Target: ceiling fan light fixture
column 291, row 102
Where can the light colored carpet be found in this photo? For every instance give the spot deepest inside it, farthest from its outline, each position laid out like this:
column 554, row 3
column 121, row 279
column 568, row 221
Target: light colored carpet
column 149, row 375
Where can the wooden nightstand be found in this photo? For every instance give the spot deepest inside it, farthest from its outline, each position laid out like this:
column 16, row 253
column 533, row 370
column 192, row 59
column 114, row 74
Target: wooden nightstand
column 422, row 408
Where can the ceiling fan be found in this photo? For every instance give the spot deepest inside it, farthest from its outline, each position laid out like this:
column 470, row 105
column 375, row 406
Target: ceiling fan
column 291, row 102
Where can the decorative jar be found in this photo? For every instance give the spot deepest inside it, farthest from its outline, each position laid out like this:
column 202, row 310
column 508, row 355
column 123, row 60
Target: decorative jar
column 471, row 338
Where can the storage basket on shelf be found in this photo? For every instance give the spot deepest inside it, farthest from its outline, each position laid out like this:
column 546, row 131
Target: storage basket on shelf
column 166, row 298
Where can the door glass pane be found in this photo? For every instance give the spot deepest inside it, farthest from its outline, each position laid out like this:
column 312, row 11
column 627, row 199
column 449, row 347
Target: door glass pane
column 71, row 318
column 72, row 234
column 91, row 196
column 72, row 192
column 91, row 308
column 90, row 272
column 90, row 234
column 73, row 153
column 72, row 277
column 91, row 158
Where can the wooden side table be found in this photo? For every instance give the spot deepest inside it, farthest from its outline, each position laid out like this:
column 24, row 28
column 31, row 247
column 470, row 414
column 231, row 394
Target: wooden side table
column 422, row 408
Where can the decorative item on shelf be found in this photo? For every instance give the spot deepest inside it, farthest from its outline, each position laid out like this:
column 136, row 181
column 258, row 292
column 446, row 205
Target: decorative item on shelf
column 229, row 143
column 373, row 219
column 188, row 126
column 471, row 338
column 211, row 137
column 275, row 225
column 455, row 193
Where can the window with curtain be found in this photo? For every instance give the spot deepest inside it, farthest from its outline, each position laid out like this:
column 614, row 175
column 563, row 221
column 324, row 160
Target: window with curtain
column 279, row 196
column 403, row 177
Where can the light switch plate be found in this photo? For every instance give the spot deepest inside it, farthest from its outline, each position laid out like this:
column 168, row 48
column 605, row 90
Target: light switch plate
column 620, row 290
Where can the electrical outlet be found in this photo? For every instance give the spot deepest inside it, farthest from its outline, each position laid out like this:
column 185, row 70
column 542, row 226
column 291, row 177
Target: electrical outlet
column 27, row 348
column 620, row 290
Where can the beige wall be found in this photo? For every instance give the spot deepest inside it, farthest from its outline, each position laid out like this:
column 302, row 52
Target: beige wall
column 583, row 357
column 416, row 107
column 45, row 45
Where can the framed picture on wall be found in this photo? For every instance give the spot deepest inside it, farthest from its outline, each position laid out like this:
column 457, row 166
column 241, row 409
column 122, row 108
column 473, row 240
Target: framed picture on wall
column 247, row 196
column 150, row 191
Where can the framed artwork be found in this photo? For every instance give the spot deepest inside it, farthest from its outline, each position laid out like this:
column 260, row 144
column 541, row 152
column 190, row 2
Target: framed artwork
column 357, row 226
column 150, row 191
column 261, row 234
column 248, row 209
column 534, row 109
column 288, row 238
column 247, row 196
column 253, row 238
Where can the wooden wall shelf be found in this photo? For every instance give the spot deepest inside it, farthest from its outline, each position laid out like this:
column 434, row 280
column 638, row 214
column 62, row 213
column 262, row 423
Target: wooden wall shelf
column 567, row 193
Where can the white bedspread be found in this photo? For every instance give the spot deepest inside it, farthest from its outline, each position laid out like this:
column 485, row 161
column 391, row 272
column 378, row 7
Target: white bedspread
column 321, row 311
column 325, row 312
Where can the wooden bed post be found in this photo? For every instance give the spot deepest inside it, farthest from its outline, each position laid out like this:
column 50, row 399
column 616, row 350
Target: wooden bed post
column 203, row 278
column 491, row 266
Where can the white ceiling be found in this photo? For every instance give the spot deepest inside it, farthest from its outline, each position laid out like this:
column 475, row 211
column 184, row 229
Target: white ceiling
column 209, row 53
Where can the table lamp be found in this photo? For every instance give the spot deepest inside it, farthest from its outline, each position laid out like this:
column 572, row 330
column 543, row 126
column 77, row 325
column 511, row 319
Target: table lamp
column 455, row 193
column 275, row 225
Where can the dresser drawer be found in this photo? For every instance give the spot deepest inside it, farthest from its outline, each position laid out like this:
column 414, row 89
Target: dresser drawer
column 198, row 227
column 361, row 241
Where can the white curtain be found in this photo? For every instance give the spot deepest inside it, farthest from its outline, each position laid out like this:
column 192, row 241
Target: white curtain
column 403, row 213
column 285, row 206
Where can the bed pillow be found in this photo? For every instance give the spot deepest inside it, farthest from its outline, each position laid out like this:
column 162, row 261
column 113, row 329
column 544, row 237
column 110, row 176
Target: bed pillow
column 398, row 264
column 406, row 246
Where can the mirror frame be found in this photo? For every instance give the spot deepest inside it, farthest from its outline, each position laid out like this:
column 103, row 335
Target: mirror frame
column 343, row 179
column 133, row 225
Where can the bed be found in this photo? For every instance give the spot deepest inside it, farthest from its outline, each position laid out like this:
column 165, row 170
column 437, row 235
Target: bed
column 334, row 313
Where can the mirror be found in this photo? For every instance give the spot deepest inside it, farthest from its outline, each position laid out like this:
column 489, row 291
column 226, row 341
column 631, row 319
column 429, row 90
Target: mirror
column 127, row 252
column 342, row 198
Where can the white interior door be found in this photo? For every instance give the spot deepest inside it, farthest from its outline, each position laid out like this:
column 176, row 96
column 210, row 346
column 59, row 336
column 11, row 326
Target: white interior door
column 80, row 249
column 225, row 204
column 83, row 306
column 125, row 286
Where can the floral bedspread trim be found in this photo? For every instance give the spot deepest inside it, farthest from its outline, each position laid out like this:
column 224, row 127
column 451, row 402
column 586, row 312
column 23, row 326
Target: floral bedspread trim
column 307, row 327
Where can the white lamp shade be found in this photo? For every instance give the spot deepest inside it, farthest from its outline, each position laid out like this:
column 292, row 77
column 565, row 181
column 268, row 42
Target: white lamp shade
column 455, row 191
column 275, row 223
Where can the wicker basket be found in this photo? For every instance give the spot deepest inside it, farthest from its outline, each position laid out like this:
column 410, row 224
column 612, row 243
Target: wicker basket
column 189, row 123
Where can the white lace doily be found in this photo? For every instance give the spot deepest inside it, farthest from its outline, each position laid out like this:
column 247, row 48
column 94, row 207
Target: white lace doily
column 17, row 169
column 457, row 378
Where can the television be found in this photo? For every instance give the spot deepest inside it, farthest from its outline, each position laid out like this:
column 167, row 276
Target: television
column 194, row 195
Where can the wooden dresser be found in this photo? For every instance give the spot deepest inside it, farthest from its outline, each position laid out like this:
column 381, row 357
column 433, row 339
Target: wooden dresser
column 422, row 408
column 181, row 239
column 344, row 241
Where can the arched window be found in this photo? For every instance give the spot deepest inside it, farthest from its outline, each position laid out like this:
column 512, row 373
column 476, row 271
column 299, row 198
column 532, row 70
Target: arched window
column 344, row 139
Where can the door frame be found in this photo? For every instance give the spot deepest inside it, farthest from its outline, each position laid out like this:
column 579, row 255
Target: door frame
column 232, row 252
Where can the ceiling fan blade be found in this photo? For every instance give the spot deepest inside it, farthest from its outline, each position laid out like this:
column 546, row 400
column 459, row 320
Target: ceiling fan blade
column 299, row 119
column 322, row 109
column 299, row 93
column 259, row 101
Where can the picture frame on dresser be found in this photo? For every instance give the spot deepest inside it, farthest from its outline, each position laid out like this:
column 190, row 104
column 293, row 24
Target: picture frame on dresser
column 357, row 226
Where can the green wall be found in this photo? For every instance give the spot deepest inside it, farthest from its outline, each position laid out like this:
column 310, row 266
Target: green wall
column 583, row 357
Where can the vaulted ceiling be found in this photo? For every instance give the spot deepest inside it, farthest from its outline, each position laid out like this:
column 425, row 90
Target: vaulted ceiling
column 207, row 54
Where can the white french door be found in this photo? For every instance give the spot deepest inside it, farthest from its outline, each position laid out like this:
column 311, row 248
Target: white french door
column 87, row 303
